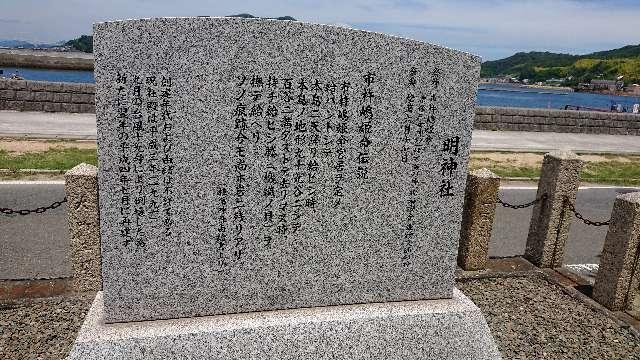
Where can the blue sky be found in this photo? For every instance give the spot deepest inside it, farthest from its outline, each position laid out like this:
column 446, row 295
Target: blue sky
column 490, row 28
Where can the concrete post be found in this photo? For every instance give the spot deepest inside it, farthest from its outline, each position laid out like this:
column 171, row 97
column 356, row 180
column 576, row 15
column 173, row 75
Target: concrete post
column 477, row 219
column 619, row 271
column 81, row 186
column 551, row 217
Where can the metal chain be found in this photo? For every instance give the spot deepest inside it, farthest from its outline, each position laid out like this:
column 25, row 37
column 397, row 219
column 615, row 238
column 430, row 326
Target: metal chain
column 521, row 206
column 39, row 210
column 581, row 217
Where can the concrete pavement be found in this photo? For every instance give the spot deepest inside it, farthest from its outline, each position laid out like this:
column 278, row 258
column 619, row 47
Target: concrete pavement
column 46, row 59
column 41, row 125
column 547, row 141
column 83, row 126
column 37, row 246
column 55, row 54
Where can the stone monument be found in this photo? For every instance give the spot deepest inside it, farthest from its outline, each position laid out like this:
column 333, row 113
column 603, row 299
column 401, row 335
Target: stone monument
column 276, row 189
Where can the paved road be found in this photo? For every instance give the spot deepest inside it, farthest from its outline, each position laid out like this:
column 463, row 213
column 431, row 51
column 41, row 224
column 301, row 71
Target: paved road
column 83, row 126
column 584, row 244
column 33, row 246
column 37, row 246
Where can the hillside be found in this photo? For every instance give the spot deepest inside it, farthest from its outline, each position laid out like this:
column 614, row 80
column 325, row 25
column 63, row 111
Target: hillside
column 540, row 66
column 84, row 43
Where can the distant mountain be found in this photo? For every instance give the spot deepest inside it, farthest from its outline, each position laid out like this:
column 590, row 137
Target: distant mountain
column 16, row 44
column 249, row 16
column 20, row 44
column 540, row 66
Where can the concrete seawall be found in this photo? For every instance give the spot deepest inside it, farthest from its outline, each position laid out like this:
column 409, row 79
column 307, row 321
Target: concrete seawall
column 69, row 97
column 551, row 120
column 46, row 59
column 23, row 95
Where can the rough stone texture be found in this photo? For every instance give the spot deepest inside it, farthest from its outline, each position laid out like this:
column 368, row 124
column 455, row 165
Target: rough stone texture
column 554, row 120
column 433, row 329
column 551, row 217
column 43, row 328
column 619, row 271
column 532, row 318
column 477, row 219
column 529, row 317
column 355, row 251
column 81, row 186
column 26, row 95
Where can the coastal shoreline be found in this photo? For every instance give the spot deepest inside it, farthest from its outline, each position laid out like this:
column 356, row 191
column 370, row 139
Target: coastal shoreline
column 40, row 59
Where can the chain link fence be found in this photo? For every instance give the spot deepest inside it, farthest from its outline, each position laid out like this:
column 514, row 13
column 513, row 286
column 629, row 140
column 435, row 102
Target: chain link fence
column 566, row 203
column 39, row 210
column 521, row 206
column 578, row 215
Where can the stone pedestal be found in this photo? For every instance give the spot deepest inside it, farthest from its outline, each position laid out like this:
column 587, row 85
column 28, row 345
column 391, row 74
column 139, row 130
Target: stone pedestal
column 619, row 270
column 430, row 329
column 81, row 186
column 551, row 217
column 477, row 219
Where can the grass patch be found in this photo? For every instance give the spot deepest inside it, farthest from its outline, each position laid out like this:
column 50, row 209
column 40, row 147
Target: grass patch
column 605, row 169
column 518, row 172
column 612, row 172
column 52, row 159
column 507, row 165
column 506, row 171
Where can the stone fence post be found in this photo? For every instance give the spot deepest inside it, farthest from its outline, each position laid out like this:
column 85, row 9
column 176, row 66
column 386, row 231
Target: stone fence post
column 81, row 186
column 551, row 217
column 619, row 271
column 477, row 219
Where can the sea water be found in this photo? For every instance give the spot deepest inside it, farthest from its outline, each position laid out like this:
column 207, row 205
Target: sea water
column 488, row 95
column 73, row 76
column 511, row 96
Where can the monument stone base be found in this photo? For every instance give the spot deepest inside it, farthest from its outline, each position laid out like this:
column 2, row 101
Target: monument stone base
column 430, row 329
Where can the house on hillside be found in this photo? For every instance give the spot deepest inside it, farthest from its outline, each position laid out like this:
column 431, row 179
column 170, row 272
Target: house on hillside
column 555, row 82
column 611, row 85
column 499, row 80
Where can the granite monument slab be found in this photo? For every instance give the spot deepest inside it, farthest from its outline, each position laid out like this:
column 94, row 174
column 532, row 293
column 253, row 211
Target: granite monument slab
column 451, row 329
column 253, row 165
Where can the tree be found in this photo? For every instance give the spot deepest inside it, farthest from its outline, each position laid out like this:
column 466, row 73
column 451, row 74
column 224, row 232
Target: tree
column 84, row 43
